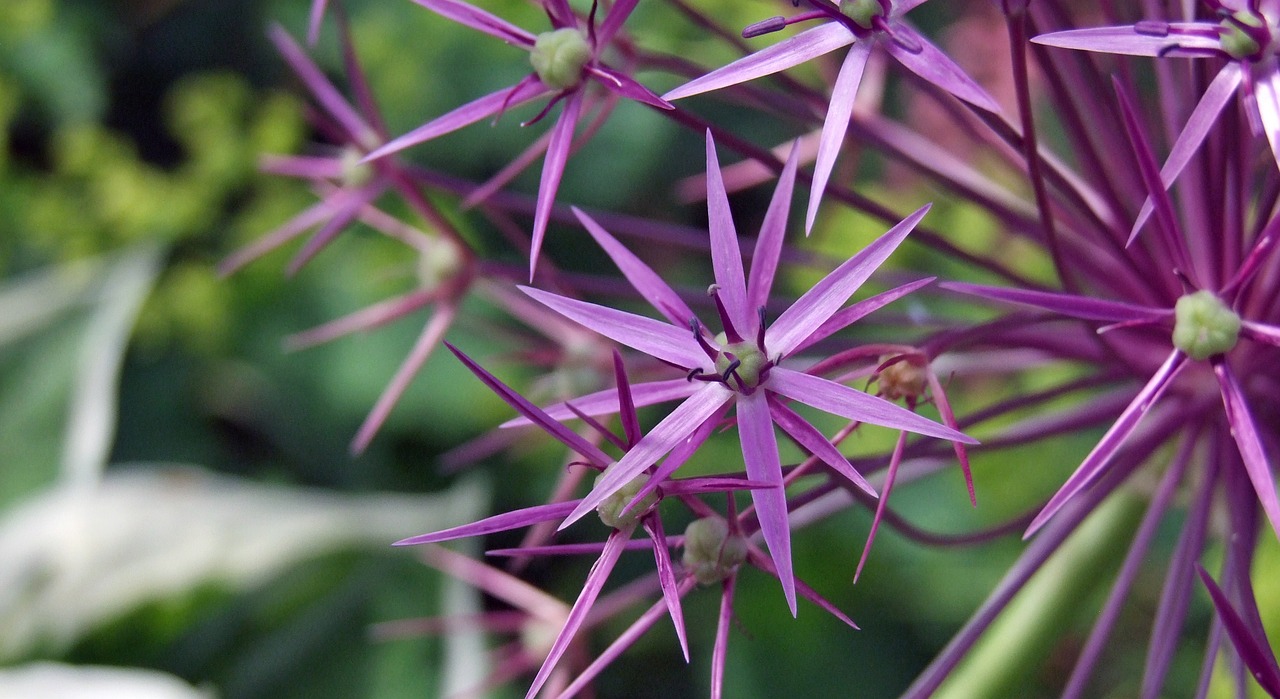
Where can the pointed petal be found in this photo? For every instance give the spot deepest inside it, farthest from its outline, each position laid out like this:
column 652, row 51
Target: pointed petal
column 315, row 81
column 818, row 304
column 895, row 460
column 563, row 434
column 313, row 22
column 763, row 563
column 949, row 419
column 1096, row 461
column 726, row 256
column 667, row 580
column 800, row 48
column 674, row 428
column 1245, row 432
column 1255, row 652
column 497, row 523
column 294, row 227
column 846, row 402
column 816, row 443
column 431, row 335
column 494, row 103
column 930, row 63
column 1126, row 41
column 852, row 314
column 1258, row 332
column 1081, row 307
column 349, row 205
column 666, row 342
column 626, row 404
column 760, row 452
column 624, row 85
column 606, row 402
column 1188, row 142
column 836, row 123
column 479, row 20
column 1266, row 91
column 720, row 650
column 590, row 590
column 552, row 171
column 764, row 263
column 651, row 286
column 367, row 318
column 613, row 21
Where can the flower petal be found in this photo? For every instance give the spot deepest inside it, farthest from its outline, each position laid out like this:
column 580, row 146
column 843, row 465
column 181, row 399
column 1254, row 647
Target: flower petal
column 497, row 523
column 606, row 402
column 1096, row 461
column 1071, row 305
column 667, row 580
column 552, row 171
column 760, row 452
column 818, row 304
column 666, row 435
column 1127, row 41
column 800, row 48
column 1245, row 432
column 726, row 256
column 494, row 103
column 816, row 443
column 314, row 79
column 846, row 402
column 930, row 63
column 764, row 263
column 613, row 21
column 836, row 123
column 651, row 286
column 852, row 314
column 1255, row 652
column 1266, row 91
column 627, row 87
column 479, row 20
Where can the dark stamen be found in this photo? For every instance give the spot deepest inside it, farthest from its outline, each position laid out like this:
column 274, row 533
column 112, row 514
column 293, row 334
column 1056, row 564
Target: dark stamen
column 696, row 327
column 760, row 331
column 730, row 333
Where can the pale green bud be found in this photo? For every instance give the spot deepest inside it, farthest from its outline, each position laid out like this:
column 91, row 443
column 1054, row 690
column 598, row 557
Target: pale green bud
column 611, row 510
column 1203, row 325
column 711, row 552
column 862, row 12
column 559, row 56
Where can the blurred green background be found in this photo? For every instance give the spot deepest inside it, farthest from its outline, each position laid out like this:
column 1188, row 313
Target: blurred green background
column 177, row 491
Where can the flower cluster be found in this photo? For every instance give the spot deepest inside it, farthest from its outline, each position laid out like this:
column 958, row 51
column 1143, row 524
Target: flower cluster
column 1112, row 275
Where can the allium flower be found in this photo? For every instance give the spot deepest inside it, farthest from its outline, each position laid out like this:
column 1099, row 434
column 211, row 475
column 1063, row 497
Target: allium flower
column 1246, row 33
column 745, row 359
column 565, row 60
column 862, row 25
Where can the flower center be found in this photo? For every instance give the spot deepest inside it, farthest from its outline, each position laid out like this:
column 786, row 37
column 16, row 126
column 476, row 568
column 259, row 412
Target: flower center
column 1246, row 35
column 439, row 264
column 1203, row 325
column 901, row 379
column 864, row 12
column 354, row 172
column 559, row 56
column 711, row 552
column 742, row 365
column 613, row 510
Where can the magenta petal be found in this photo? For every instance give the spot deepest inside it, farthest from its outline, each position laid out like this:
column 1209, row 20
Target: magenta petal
column 590, row 590
column 319, row 86
column 836, row 123
column 1126, row 41
column 802, row 47
column 566, row 436
column 1249, row 442
column 1081, row 307
column 613, row 21
column 1266, row 92
column 1188, row 142
column 930, row 63
column 764, row 263
column 726, row 256
column 667, row 580
column 313, row 22
column 846, row 402
column 497, row 523
column 494, row 103
column 720, row 650
column 627, row 87
column 666, row 342
column 1097, row 459
column 818, row 304
column 479, row 20
column 294, row 227
column 852, row 314
column 651, row 286
column 606, row 402
column 1255, row 652
column 552, row 171
column 674, row 428
column 1258, row 332
column 760, row 452
column 349, row 204
column 895, row 460
column 817, row 444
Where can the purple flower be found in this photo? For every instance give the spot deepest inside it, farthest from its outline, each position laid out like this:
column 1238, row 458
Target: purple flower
column 862, row 25
column 1247, row 34
column 743, row 364
column 565, row 60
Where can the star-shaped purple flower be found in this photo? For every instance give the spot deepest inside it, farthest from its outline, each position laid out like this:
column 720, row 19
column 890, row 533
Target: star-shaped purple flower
column 862, row 25
column 564, row 60
column 744, row 364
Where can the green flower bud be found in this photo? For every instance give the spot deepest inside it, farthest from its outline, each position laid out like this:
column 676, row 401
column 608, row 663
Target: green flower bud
column 711, row 552
column 354, row 172
column 611, row 509
column 559, row 56
column 1203, row 325
column 751, row 361
column 902, row 379
column 862, row 12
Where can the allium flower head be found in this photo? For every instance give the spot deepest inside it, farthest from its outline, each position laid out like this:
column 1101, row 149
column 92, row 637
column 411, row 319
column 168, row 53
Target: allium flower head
column 862, row 25
column 564, row 60
column 743, row 364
